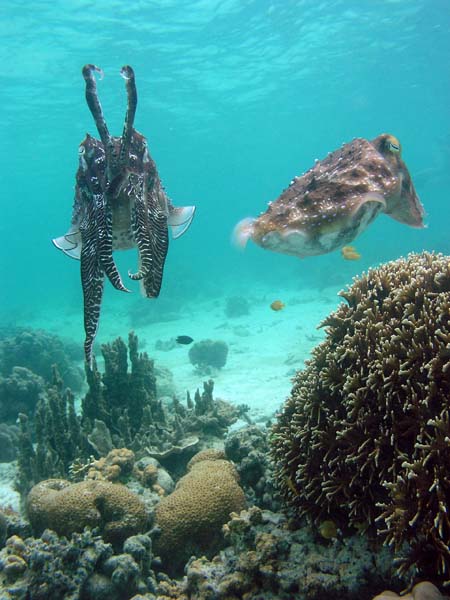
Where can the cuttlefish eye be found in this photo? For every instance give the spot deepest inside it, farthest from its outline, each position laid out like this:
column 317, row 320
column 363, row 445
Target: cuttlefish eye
column 393, row 144
column 81, row 150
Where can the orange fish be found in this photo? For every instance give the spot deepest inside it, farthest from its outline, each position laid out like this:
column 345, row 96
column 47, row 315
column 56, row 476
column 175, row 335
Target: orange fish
column 350, row 253
column 277, row 305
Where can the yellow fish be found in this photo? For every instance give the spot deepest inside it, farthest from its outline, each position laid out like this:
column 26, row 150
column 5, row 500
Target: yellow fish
column 328, row 529
column 277, row 305
column 350, row 253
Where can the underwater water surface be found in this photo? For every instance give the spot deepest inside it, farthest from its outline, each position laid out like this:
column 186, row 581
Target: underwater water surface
column 235, row 98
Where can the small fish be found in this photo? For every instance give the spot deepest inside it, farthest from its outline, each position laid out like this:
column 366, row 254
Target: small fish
column 277, row 305
column 184, row 339
column 350, row 253
column 328, row 529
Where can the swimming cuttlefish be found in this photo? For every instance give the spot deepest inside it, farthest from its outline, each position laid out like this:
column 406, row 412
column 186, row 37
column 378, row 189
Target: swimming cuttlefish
column 332, row 203
column 119, row 204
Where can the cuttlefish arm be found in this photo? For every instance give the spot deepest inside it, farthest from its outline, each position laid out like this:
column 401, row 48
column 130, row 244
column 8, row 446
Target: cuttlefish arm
column 92, row 278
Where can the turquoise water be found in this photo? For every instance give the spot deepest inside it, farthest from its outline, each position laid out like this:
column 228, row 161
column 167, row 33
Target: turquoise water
column 235, row 98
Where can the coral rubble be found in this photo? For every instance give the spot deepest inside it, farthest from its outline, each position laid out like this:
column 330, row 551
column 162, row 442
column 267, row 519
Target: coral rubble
column 364, row 437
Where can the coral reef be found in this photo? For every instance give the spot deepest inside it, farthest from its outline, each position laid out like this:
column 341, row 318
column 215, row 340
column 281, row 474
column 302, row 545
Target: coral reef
column 9, row 441
column 117, row 465
column 81, row 568
column 118, row 396
column 208, row 354
column 3, row 529
column 120, row 410
column 59, row 439
column 191, row 518
column 265, row 559
column 248, row 448
column 20, row 391
column 363, row 438
column 68, row 507
column 39, row 351
column 236, row 306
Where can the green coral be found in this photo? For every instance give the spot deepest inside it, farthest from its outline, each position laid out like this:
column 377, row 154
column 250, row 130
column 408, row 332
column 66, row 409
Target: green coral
column 364, row 437
column 191, row 518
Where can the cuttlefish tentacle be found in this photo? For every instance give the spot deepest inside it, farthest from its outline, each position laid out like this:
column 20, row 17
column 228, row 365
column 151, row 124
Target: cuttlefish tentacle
column 130, row 84
column 102, row 199
column 91, row 280
column 94, row 104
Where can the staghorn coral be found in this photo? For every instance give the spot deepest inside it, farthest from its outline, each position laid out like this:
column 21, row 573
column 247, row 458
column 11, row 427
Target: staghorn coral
column 192, row 516
column 364, row 437
column 68, row 507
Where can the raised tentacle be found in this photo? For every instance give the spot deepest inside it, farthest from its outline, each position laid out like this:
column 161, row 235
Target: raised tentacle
column 97, row 112
column 94, row 103
column 128, row 74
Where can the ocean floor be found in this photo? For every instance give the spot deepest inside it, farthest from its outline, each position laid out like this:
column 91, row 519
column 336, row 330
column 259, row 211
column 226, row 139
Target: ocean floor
column 266, row 347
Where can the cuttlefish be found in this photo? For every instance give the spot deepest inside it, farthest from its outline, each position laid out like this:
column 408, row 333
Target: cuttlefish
column 332, row 203
column 119, row 204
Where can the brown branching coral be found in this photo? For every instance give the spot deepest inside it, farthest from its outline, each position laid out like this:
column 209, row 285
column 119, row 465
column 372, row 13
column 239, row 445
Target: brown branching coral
column 365, row 436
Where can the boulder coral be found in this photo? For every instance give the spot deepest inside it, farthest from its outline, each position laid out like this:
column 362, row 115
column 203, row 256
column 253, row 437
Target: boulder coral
column 191, row 518
column 68, row 507
column 363, row 438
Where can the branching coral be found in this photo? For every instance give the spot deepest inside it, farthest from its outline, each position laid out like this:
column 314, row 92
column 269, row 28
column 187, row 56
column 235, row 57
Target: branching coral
column 365, row 436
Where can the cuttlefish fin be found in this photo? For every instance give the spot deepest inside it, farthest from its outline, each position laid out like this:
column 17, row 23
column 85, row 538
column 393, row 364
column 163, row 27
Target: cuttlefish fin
column 242, row 232
column 70, row 243
column 179, row 219
column 369, row 197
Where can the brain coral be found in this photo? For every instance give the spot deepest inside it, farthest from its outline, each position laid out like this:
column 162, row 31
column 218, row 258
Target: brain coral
column 191, row 518
column 364, row 438
column 68, row 507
